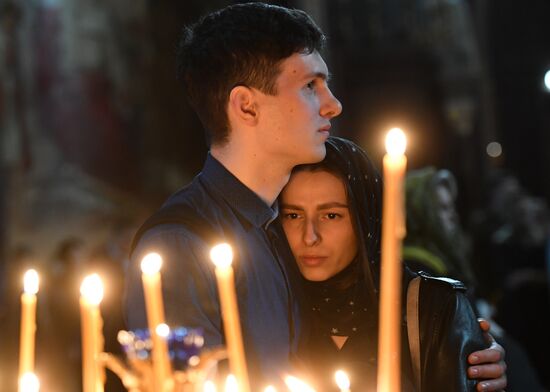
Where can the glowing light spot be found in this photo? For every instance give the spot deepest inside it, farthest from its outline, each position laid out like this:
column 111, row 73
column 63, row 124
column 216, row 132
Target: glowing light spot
column 222, row 255
column 162, row 330
column 151, row 263
column 396, row 142
column 30, row 282
column 494, row 149
column 547, row 80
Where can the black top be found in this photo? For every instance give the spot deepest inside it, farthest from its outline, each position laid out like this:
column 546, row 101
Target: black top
column 216, row 201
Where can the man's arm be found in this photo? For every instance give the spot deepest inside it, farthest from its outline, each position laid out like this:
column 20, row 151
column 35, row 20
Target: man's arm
column 188, row 282
column 488, row 365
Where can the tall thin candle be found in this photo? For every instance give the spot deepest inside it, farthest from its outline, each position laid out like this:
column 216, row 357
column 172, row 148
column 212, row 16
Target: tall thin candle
column 152, row 288
column 91, row 295
column 222, row 257
column 389, row 340
column 28, row 322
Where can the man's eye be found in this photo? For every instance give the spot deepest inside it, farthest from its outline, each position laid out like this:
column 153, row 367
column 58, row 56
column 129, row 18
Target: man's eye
column 311, row 85
column 332, row 215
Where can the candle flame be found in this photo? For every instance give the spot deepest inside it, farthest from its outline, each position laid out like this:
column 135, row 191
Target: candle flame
column 396, row 142
column 151, row 263
column 297, row 385
column 29, row 383
column 30, row 282
column 162, row 330
column 92, row 289
column 270, row 388
column 342, row 380
column 231, row 384
column 209, row 386
column 222, row 255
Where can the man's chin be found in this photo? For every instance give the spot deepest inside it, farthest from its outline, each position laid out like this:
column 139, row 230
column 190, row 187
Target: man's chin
column 316, row 155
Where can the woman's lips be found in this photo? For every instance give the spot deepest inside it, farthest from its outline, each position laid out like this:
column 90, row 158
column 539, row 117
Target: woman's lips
column 311, row 261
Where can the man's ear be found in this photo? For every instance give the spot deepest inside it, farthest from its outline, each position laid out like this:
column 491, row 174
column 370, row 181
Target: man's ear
column 242, row 104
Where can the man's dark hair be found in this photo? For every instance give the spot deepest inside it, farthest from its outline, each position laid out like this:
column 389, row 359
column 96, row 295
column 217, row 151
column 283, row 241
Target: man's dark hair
column 242, row 44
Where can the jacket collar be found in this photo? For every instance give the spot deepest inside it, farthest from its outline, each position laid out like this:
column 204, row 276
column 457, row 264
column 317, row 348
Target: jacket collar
column 241, row 198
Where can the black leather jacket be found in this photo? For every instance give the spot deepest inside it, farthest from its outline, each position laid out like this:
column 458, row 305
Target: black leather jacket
column 449, row 332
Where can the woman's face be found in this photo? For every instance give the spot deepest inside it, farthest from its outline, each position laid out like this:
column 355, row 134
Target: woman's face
column 317, row 224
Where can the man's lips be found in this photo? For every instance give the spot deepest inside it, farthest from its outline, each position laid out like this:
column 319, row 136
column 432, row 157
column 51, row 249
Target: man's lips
column 311, row 260
column 325, row 129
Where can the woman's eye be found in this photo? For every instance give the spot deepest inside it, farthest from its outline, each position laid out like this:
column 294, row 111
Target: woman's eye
column 332, row 215
column 291, row 215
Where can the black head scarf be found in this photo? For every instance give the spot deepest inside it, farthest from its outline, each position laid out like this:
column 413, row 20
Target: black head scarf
column 364, row 190
column 356, row 284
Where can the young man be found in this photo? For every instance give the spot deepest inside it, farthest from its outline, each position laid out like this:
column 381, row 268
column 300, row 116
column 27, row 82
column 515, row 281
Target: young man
column 255, row 77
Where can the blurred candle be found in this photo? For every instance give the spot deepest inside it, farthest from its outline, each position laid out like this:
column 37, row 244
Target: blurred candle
column 342, row 380
column 28, row 382
column 91, row 295
column 231, row 384
column 152, row 288
column 294, row 384
column 209, row 386
column 28, row 322
column 270, row 388
column 222, row 257
column 393, row 231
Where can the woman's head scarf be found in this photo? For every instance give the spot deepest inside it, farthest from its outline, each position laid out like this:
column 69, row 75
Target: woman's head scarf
column 363, row 186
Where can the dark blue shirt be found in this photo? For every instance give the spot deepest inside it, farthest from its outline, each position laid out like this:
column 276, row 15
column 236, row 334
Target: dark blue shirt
column 265, row 273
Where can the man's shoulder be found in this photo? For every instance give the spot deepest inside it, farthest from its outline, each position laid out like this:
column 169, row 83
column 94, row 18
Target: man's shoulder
column 189, row 215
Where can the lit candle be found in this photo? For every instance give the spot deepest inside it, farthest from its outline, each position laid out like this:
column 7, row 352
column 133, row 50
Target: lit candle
column 222, row 257
column 231, row 384
column 28, row 382
column 294, row 384
column 28, row 322
column 152, row 288
column 270, row 388
column 91, row 295
column 342, row 380
column 393, row 230
column 209, row 386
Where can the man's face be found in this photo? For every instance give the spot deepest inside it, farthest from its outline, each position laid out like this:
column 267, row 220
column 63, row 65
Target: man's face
column 295, row 122
column 317, row 224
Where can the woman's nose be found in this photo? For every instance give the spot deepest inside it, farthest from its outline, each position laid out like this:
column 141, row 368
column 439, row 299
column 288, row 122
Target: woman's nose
column 311, row 235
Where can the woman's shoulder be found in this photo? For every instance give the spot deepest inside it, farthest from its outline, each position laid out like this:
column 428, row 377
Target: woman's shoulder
column 440, row 282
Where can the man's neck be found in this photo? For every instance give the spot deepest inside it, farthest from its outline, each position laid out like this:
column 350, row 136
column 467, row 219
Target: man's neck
column 260, row 174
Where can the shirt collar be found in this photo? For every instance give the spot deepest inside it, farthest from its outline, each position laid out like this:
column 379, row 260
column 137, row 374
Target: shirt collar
column 241, row 198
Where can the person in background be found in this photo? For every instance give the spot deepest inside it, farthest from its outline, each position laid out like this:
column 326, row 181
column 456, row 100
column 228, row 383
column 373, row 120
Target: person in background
column 436, row 243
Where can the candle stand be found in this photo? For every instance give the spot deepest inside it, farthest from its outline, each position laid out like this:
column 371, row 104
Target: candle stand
column 191, row 365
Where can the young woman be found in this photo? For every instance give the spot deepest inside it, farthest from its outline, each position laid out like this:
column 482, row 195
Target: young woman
column 331, row 216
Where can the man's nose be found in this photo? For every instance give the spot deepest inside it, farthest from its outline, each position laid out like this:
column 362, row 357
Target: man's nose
column 331, row 107
column 311, row 235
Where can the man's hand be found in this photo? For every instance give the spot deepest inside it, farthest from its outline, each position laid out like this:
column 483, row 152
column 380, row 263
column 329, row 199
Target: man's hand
column 488, row 365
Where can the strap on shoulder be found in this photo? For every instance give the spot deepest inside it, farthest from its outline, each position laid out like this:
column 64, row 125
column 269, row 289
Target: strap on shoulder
column 413, row 329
